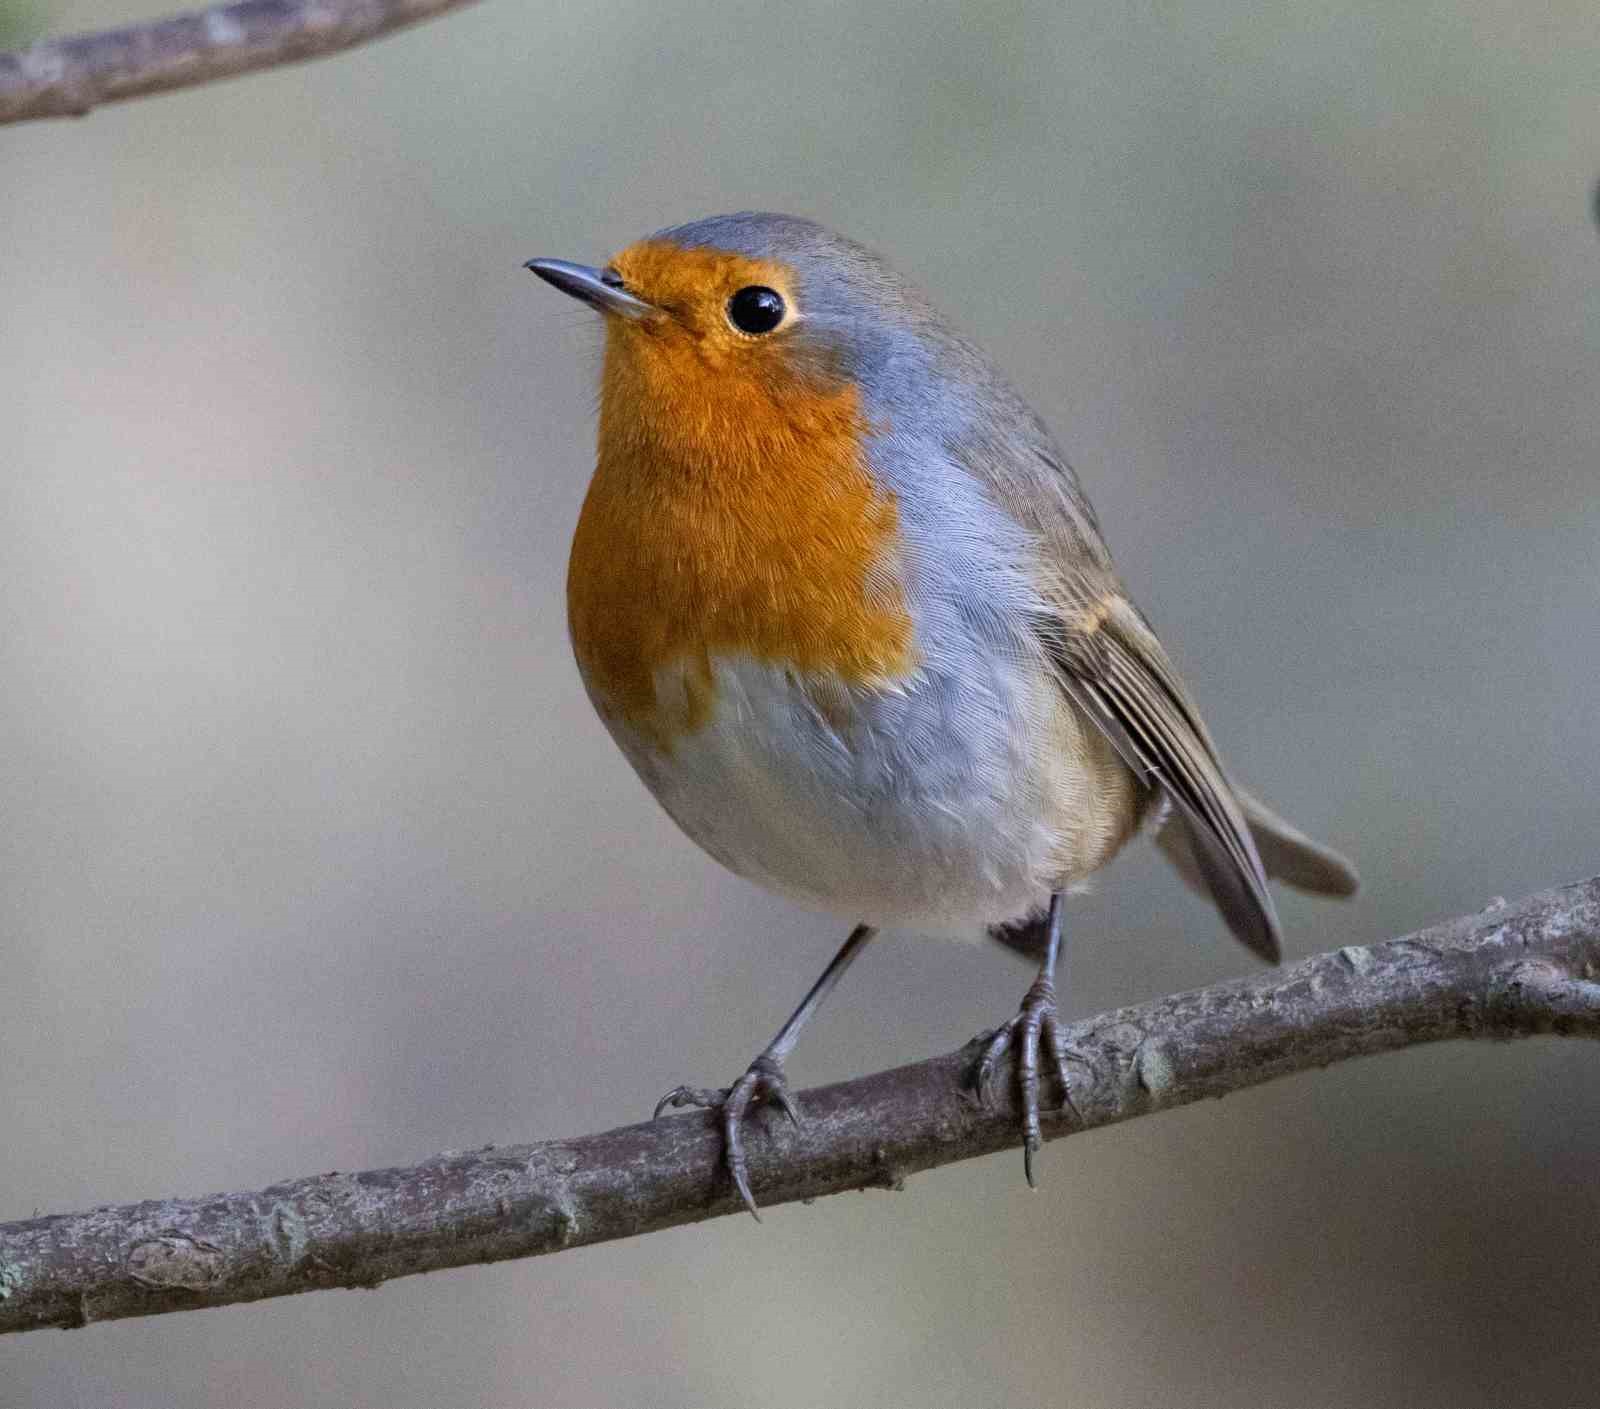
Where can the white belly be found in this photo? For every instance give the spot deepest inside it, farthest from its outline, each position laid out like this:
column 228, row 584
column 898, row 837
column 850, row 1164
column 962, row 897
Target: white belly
column 956, row 802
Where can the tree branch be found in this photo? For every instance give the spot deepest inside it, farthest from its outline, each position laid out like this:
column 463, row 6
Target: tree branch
column 70, row 77
column 1509, row 972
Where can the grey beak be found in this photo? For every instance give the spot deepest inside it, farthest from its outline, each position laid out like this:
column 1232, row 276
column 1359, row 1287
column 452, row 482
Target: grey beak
column 598, row 288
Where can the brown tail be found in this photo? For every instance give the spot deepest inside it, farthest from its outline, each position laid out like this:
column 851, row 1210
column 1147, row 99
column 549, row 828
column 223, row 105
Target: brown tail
column 1288, row 854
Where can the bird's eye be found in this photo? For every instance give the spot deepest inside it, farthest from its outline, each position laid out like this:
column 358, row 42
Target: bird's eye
column 610, row 278
column 756, row 310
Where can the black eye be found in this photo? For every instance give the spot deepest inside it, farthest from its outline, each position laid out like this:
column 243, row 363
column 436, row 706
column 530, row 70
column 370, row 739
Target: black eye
column 756, row 310
column 610, row 278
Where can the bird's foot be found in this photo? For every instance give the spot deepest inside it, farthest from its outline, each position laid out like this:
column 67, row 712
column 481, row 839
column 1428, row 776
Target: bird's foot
column 1018, row 1040
column 763, row 1081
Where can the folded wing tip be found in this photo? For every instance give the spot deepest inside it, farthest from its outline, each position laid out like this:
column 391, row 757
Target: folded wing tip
column 1265, row 944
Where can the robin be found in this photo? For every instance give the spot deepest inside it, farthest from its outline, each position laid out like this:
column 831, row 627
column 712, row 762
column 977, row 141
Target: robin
column 842, row 603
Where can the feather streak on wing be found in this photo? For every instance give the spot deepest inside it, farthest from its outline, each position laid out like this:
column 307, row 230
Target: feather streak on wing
column 1118, row 674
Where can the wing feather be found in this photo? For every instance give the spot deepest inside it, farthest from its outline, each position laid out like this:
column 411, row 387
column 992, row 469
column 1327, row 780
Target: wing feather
column 1114, row 669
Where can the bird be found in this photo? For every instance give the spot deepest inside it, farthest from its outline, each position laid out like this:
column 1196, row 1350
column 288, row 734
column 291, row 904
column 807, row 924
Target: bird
column 845, row 608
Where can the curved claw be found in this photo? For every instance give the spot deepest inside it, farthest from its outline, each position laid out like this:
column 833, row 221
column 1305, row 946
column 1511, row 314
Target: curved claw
column 733, row 1112
column 1036, row 1018
column 779, row 1094
column 705, row 1097
column 764, row 1080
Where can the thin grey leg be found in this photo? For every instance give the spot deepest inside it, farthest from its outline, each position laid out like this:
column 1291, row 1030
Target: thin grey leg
column 1037, row 1016
column 764, row 1079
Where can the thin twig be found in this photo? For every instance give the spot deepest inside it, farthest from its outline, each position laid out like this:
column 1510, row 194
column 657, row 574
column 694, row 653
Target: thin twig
column 1509, row 972
column 70, row 77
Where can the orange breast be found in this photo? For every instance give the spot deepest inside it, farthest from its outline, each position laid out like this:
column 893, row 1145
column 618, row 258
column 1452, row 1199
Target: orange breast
column 730, row 512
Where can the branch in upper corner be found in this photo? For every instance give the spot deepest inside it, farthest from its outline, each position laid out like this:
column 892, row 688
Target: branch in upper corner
column 70, row 77
column 1511, row 971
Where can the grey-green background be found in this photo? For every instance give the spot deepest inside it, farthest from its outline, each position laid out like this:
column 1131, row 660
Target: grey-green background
column 313, row 856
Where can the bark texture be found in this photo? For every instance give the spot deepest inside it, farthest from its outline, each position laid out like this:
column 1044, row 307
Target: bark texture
column 1512, row 971
column 70, row 77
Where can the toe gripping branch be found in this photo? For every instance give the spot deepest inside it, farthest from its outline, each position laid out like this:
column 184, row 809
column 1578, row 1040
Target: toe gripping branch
column 1037, row 1017
column 764, row 1081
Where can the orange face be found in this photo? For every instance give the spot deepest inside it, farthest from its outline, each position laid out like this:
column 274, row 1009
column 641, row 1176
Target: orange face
column 693, row 286
column 731, row 510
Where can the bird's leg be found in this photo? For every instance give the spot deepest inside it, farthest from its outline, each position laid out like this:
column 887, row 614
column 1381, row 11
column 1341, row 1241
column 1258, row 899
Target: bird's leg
column 1037, row 1015
column 764, row 1079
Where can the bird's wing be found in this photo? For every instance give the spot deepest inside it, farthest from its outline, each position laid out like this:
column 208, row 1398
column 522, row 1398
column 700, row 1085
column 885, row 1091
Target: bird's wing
column 1111, row 666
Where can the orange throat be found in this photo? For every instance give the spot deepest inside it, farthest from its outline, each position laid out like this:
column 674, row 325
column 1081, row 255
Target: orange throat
column 730, row 513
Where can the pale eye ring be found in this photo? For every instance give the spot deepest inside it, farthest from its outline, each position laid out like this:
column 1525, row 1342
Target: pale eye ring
column 756, row 310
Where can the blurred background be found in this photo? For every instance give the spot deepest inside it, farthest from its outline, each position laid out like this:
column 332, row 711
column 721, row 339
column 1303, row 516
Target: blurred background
column 314, row 857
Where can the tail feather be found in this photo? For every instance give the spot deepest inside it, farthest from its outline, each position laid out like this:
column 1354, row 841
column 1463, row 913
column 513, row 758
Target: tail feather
column 1287, row 853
